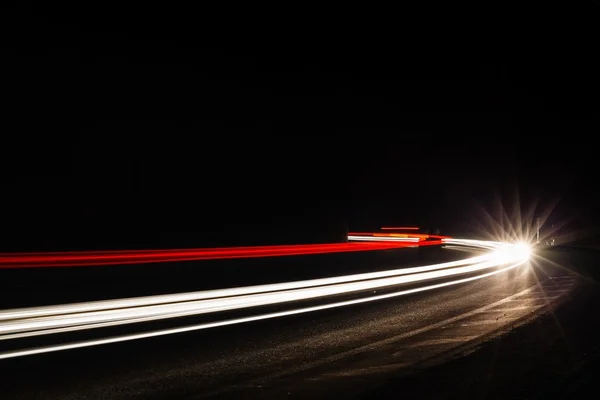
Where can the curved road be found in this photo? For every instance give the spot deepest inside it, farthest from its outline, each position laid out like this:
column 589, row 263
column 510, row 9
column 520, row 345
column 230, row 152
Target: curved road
column 340, row 352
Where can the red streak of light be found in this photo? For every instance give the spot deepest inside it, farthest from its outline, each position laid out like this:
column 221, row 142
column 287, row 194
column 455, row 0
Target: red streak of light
column 436, row 242
column 400, row 228
column 407, row 235
column 115, row 257
column 404, row 235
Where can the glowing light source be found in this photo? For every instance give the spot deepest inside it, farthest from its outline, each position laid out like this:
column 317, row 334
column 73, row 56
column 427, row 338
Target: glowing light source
column 523, row 249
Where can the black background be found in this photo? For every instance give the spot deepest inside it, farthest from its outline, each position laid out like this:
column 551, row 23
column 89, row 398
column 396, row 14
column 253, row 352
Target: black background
column 165, row 127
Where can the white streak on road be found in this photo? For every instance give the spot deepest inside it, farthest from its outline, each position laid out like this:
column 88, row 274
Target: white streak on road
column 28, row 322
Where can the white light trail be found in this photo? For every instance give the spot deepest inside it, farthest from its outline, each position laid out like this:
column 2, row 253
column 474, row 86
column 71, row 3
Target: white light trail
column 212, row 294
column 39, row 326
column 38, row 321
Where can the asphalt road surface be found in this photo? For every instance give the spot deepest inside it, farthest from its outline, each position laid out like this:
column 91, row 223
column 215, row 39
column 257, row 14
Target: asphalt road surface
column 341, row 353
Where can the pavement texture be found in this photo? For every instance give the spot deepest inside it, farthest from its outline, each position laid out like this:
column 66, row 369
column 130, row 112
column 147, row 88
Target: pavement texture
column 528, row 333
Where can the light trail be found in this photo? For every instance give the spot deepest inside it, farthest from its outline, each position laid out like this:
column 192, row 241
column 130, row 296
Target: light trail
column 220, row 293
column 388, row 239
column 164, row 332
column 123, row 257
column 38, row 321
column 89, row 320
column 420, row 236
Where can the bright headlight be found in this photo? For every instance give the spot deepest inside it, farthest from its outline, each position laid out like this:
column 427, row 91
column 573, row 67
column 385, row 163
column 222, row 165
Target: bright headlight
column 513, row 253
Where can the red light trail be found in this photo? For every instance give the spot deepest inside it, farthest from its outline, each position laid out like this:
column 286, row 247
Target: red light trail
column 115, row 257
column 122, row 257
column 420, row 236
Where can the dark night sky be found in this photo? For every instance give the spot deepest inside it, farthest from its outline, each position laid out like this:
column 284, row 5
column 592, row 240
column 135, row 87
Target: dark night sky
column 128, row 129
